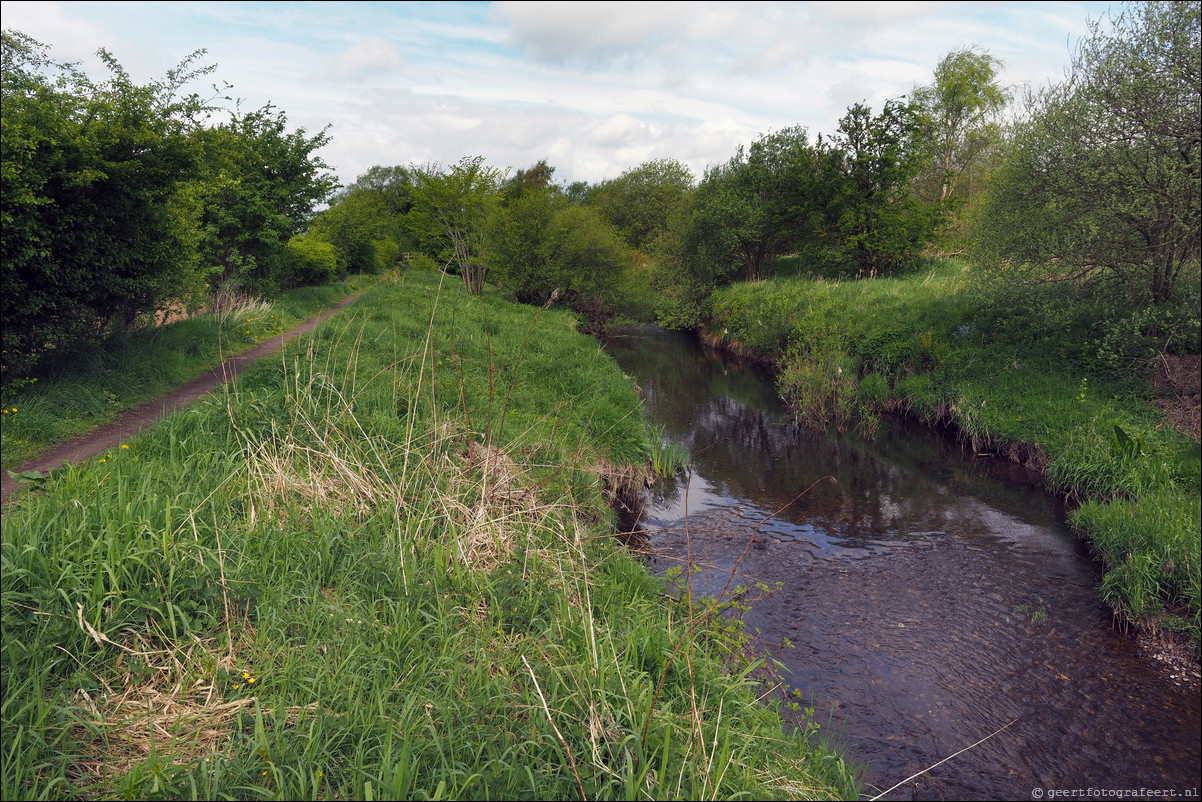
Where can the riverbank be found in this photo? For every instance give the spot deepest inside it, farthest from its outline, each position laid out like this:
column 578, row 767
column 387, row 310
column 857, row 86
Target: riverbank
column 380, row 564
column 1043, row 387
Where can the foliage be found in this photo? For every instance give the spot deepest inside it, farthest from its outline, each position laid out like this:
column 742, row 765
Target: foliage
column 958, row 113
column 517, row 253
column 1102, row 181
column 875, row 220
column 539, row 242
column 641, row 202
column 755, row 207
column 361, row 229
column 258, row 186
column 308, row 261
column 119, row 200
column 455, row 206
column 94, row 234
column 842, row 201
column 393, row 187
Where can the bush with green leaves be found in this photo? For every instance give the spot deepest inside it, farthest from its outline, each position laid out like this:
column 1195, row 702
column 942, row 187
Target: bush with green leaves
column 309, row 261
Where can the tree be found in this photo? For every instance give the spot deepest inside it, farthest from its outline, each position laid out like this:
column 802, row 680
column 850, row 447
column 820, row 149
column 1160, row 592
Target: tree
column 95, row 232
column 517, row 245
column 540, row 242
column 640, row 202
column 753, row 209
column 1101, row 181
column 258, row 186
column 394, row 186
column 457, row 204
column 361, row 228
column 873, row 217
column 535, row 179
column 959, row 114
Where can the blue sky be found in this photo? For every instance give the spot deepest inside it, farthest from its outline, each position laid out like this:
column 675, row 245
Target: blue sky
column 594, row 88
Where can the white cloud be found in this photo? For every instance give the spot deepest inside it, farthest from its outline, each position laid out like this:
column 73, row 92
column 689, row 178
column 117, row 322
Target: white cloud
column 595, row 88
column 373, row 56
column 585, row 32
column 70, row 39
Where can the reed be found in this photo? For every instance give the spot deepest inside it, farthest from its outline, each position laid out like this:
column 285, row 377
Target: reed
column 667, row 458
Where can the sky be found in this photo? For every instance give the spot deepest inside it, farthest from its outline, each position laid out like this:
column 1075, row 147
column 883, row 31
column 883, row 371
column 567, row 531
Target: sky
column 593, row 88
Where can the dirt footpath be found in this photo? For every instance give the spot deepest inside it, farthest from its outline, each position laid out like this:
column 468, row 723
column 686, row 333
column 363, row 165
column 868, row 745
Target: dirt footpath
column 132, row 421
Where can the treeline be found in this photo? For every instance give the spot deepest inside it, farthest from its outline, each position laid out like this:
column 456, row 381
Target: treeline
column 119, row 200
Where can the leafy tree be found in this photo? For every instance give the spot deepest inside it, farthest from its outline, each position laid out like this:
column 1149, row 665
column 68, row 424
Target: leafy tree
column 535, row 179
column 540, row 242
column 640, row 202
column 361, row 229
column 94, row 230
column 577, row 191
column 258, row 187
column 517, row 254
column 456, row 205
column 753, row 209
column 959, row 115
column 309, row 261
column 874, row 218
column 394, row 186
column 1100, row 182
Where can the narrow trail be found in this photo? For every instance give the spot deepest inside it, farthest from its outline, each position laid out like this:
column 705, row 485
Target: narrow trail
column 132, row 421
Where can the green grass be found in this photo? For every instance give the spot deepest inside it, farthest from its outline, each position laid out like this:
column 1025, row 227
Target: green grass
column 76, row 394
column 1046, row 374
column 380, row 566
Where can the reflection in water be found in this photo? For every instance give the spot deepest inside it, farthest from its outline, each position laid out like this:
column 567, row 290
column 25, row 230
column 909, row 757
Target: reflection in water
column 929, row 602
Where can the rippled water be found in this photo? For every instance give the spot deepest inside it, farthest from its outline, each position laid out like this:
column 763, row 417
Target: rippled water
column 932, row 596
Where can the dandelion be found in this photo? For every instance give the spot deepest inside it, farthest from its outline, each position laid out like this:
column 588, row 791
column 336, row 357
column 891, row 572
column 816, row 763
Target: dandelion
column 236, row 687
column 124, row 446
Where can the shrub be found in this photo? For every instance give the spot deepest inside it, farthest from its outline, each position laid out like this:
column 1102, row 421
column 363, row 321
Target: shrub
column 309, row 261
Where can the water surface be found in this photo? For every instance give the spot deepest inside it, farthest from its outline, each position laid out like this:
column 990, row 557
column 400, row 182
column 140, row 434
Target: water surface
column 931, row 596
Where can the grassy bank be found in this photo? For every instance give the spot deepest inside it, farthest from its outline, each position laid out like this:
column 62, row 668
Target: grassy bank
column 1037, row 376
column 380, row 566
column 76, row 393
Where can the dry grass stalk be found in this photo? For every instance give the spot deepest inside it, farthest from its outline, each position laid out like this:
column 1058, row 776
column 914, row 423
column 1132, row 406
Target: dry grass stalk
column 492, row 505
column 166, row 702
column 324, row 478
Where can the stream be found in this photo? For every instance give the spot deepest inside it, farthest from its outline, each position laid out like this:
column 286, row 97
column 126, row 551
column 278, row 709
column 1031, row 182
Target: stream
column 931, row 596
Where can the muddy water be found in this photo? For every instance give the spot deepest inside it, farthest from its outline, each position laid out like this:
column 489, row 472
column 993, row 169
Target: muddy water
column 931, row 597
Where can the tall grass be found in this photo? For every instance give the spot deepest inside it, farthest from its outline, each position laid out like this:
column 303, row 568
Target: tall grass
column 380, row 566
column 1035, row 374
